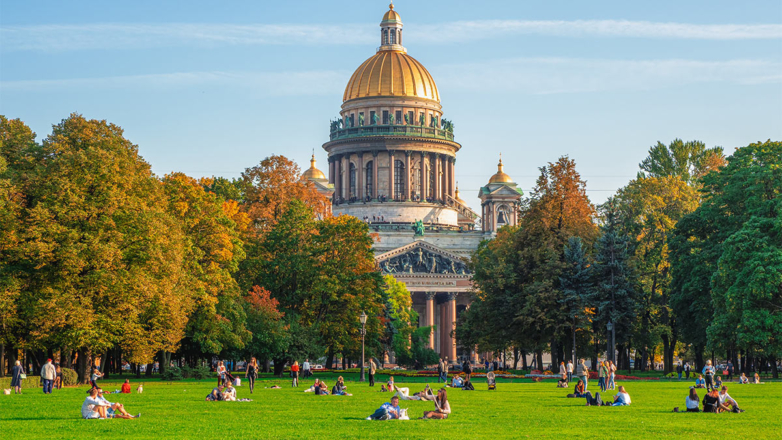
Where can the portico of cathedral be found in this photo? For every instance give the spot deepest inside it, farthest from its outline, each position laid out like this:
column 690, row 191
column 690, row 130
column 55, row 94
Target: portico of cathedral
column 392, row 163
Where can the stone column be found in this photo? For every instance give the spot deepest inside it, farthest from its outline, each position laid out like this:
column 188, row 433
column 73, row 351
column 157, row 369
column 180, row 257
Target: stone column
column 345, row 177
column 374, row 176
column 443, row 320
column 424, row 177
column 453, row 176
column 391, row 175
column 331, row 170
column 360, row 176
column 437, row 180
column 446, row 176
column 494, row 217
column 451, row 325
column 408, row 175
column 429, row 317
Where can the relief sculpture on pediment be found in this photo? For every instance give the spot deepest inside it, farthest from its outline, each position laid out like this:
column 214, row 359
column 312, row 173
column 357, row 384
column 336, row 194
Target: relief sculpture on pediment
column 420, row 260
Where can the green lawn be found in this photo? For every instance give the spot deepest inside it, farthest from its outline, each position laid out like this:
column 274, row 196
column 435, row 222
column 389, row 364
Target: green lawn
column 520, row 409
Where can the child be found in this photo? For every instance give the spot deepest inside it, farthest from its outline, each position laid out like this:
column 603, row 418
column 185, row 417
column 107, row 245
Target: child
column 700, row 382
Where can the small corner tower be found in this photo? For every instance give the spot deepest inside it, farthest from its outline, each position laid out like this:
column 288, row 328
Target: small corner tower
column 499, row 201
column 321, row 182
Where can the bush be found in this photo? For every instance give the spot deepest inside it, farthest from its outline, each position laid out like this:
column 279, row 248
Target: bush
column 199, row 372
column 172, row 373
column 69, row 377
column 30, row 382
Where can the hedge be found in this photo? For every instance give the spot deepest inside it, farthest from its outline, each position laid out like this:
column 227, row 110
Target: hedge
column 30, row 382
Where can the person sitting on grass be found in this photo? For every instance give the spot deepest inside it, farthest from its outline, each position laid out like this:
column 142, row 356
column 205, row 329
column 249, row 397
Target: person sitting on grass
column 216, row 395
column 390, row 384
column 468, row 385
column 229, row 393
column 115, row 410
column 717, row 381
column 126, row 387
column 441, row 406
column 339, row 388
column 692, row 401
column 622, row 398
column 579, row 391
column 756, row 380
column 562, row 383
column 313, row 387
column 93, row 408
column 323, row 390
column 743, row 379
column 711, row 402
column 726, row 400
column 457, row 382
column 700, row 382
column 387, row 411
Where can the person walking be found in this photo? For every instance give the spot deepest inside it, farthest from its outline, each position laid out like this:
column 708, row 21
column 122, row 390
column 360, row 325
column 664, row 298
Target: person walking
column 679, row 370
column 602, row 376
column 611, row 375
column 251, row 373
column 687, row 371
column 583, row 373
column 440, row 370
column 48, row 374
column 708, row 373
column 295, row 374
column 16, row 377
column 372, row 370
column 730, row 370
column 306, row 367
column 221, row 372
column 94, row 376
column 569, row 371
column 445, row 370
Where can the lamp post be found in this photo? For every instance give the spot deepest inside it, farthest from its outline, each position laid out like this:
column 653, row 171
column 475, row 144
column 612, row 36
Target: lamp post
column 363, row 319
column 610, row 328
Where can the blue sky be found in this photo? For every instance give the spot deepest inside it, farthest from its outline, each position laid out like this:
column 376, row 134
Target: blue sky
column 210, row 88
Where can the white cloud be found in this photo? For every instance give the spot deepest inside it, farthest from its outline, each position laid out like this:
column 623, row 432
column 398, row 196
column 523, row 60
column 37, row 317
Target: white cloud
column 509, row 75
column 129, row 36
column 576, row 75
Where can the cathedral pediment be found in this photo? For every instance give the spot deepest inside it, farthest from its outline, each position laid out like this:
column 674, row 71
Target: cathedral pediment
column 421, row 257
column 500, row 190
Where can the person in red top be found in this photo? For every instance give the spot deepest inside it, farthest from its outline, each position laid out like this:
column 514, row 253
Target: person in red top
column 295, row 373
column 126, row 387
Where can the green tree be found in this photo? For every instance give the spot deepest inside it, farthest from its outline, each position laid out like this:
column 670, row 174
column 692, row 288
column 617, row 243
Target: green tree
column 688, row 161
column 576, row 286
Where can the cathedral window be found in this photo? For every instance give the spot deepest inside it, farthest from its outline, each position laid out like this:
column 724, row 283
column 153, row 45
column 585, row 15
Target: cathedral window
column 372, row 117
column 411, row 116
column 393, row 36
column 399, row 179
column 398, row 117
column 385, row 36
column 369, row 175
column 385, row 117
column 353, row 176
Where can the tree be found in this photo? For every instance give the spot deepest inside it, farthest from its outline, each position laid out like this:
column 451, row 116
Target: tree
column 214, row 248
column 575, row 284
column 102, row 259
column 733, row 241
column 401, row 327
column 615, row 296
column 649, row 208
column 688, row 161
column 270, row 337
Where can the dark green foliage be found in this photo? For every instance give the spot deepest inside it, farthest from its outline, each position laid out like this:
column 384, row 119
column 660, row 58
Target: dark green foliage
column 69, row 377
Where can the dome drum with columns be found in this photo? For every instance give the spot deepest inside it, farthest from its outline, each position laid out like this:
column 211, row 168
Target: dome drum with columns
column 391, row 163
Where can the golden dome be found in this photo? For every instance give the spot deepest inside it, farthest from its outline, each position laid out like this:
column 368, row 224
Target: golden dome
column 313, row 173
column 500, row 177
column 391, row 15
column 456, row 194
column 391, row 73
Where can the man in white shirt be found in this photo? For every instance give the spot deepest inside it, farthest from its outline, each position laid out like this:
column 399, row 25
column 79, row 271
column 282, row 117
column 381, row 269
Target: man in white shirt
column 306, row 367
column 114, row 410
column 93, row 408
column 48, row 373
column 726, row 400
column 569, row 371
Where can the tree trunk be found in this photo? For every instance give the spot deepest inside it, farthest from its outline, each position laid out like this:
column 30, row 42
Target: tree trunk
column 330, row 359
column 666, row 345
column 699, row 363
column 279, row 367
column 539, row 356
column 81, row 366
column 774, row 370
column 554, row 353
column 148, row 373
column 515, row 358
column 2, row 360
column 524, row 365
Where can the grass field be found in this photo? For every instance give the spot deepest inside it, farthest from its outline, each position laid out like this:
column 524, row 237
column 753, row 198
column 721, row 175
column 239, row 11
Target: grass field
column 520, row 409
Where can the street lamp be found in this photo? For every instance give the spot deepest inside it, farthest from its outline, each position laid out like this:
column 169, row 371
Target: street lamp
column 610, row 328
column 363, row 319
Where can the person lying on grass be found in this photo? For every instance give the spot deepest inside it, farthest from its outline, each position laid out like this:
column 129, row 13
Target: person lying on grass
column 700, row 382
column 312, row 388
column 425, row 394
column 114, row 410
column 441, row 407
column 93, row 408
column 457, row 382
column 216, row 395
column 387, row 411
column 726, row 400
column 339, row 388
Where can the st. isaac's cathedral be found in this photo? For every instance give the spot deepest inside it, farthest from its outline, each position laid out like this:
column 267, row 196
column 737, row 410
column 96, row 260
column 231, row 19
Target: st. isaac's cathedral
column 392, row 163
